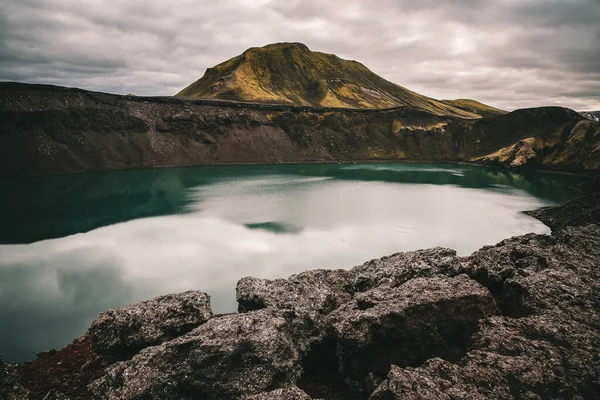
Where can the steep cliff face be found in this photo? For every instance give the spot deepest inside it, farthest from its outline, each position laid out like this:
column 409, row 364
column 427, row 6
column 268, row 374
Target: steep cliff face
column 290, row 73
column 47, row 129
column 548, row 137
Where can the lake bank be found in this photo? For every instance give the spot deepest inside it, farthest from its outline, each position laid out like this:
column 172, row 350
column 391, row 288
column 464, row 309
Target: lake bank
column 525, row 304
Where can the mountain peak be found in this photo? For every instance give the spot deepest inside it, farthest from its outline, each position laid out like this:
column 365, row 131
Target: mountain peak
column 291, row 73
column 283, row 45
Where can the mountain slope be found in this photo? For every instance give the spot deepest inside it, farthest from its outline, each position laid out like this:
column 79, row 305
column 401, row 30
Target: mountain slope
column 593, row 115
column 474, row 107
column 290, row 73
column 546, row 137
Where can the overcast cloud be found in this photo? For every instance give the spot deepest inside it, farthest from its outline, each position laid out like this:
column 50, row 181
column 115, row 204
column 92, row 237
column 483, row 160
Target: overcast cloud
column 507, row 53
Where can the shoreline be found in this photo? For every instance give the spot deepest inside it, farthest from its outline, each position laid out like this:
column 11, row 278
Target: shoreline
column 255, row 294
column 590, row 173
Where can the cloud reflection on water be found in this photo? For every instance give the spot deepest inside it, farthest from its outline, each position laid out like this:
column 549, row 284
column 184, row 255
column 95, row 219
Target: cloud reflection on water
column 51, row 290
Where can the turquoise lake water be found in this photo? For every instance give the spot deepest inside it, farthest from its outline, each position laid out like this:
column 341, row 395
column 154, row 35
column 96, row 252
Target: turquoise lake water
column 75, row 245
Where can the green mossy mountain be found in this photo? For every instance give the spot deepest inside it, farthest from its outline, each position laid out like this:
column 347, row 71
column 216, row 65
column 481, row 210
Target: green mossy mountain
column 290, row 73
column 475, row 107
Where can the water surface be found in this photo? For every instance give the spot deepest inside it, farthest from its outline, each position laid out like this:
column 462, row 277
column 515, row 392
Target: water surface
column 75, row 245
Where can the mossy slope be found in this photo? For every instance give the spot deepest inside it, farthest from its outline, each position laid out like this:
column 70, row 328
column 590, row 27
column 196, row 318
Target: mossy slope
column 290, row 73
column 473, row 106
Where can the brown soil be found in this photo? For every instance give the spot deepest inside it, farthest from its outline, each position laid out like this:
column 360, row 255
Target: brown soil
column 68, row 370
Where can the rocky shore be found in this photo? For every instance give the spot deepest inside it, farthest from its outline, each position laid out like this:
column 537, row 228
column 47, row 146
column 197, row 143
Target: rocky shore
column 520, row 319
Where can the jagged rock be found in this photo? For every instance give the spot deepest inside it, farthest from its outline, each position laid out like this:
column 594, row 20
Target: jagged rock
column 551, row 283
column 46, row 353
column 582, row 211
column 319, row 290
column 409, row 384
column 408, row 324
column 402, row 267
column 55, row 395
column 230, row 357
column 533, row 273
column 129, row 329
column 532, row 357
column 292, row 393
column 10, row 388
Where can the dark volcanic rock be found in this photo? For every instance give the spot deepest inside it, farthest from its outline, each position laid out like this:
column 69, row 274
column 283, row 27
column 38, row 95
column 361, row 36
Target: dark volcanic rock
column 408, row 324
column 55, row 395
column 230, row 357
column 129, row 329
column 318, row 290
column 292, row 393
column 548, row 343
column 533, row 357
column 402, row 267
column 534, row 273
column 10, row 388
column 582, row 211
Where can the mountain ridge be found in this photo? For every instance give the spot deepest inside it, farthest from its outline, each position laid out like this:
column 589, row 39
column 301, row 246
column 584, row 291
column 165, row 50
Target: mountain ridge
column 290, row 73
column 48, row 130
column 592, row 115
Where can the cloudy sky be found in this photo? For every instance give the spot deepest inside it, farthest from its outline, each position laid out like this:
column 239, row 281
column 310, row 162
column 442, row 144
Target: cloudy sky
column 507, row 53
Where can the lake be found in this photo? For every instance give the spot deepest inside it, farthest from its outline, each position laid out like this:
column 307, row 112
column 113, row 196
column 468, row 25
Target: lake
column 76, row 245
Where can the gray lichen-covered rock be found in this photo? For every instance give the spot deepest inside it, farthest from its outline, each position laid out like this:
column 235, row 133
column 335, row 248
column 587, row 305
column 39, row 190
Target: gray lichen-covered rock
column 527, row 358
column 402, row 267
column 319, row 290
column 582, row 211
column 408, row 324
column 291, row 393
column 552, row 350
column 229, row 357
column 535, row 273
column 129, row 329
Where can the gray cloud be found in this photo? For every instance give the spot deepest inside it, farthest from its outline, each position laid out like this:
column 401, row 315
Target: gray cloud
column 510, row 54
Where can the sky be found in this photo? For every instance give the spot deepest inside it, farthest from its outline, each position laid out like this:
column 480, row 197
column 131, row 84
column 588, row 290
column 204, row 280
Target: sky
column 506, row 53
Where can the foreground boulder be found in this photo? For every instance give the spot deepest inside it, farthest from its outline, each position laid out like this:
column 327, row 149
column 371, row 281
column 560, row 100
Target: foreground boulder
column 319, row 290
column 582, row 211
column 402, row 267
column 292, row 393
column 230, row 357
column 408, row 324
column 547, row 344
column 10, row 388
column 527, row 358
column 129, row 329
column 532, row 274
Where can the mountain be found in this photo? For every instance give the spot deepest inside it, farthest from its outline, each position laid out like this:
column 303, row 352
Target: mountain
column 593, row 115
column 48, row 129
column 290, row 73
column 474, row 107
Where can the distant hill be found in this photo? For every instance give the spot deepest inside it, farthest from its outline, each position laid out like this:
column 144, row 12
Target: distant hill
column 474, row 107
column 593, row 115
column 290, row 73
